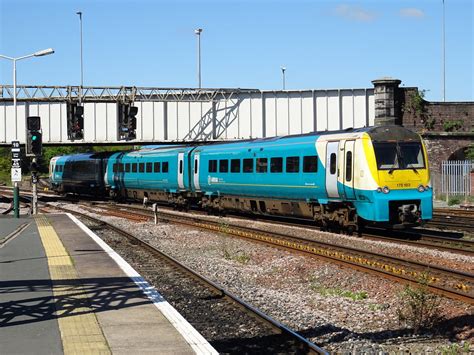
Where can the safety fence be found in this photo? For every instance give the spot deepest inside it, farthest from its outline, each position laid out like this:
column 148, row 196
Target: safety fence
column 457, row 177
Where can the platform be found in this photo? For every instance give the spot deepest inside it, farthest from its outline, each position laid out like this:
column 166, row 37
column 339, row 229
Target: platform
column 64, row 291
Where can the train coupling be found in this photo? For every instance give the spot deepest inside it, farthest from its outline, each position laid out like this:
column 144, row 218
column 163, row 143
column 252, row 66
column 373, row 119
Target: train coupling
column 409, row 213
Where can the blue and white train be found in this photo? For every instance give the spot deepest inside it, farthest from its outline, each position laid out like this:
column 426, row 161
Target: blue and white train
column 343, row 179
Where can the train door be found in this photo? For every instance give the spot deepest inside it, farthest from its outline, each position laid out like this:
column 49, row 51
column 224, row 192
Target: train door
column 332, row 150
column 348, row 177
column 181, row 170
column 196, row 172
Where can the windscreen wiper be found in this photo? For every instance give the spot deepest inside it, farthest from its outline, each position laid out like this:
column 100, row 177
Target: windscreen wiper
column 414, row 169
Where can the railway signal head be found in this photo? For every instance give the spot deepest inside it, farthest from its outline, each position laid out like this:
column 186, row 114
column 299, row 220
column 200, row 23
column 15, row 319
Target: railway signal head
column 75, row 121
column 127, row 121
column 34, row 141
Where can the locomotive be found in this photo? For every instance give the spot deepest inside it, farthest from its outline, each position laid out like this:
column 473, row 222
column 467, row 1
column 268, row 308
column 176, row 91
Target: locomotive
column 340, row 179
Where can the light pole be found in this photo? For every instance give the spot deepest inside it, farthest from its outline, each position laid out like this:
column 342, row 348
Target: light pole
column 198, row 34
column 82, row 63
column 444, row 59
column 14, row 60
column 283, row 69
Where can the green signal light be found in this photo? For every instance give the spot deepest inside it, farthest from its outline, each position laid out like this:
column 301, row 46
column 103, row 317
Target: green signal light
column 34, row 138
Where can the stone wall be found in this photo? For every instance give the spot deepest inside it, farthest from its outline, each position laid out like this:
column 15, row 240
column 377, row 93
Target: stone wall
column 428, row 117
column 446, row 127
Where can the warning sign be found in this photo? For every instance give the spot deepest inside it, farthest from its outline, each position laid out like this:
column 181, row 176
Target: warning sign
column 16, row 174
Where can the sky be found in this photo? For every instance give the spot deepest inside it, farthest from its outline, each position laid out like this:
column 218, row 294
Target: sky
column 244, row 44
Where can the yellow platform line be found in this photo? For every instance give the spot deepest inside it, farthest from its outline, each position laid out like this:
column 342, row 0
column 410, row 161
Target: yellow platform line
column 80, row 331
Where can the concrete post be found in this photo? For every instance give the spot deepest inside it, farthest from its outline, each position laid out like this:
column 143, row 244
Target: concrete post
column 387, row 101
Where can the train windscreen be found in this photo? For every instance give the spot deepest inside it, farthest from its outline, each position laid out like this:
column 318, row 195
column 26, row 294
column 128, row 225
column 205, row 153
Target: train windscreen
column 399, row 155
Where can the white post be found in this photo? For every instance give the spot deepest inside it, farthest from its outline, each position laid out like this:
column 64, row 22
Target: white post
column 34, row 200
column 155, row 212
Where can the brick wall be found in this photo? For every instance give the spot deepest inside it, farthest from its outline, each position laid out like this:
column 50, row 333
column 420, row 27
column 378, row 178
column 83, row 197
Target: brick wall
column 424, row 116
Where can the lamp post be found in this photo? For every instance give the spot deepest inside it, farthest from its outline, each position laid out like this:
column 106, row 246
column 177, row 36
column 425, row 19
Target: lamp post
column 14, row 60
column 198, row 34
column 444, row 59
column 82, row 62
column 283, row 69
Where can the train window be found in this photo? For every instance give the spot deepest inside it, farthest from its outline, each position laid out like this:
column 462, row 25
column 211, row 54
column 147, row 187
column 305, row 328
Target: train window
column 180, row 166
column 212, row 166
column 127, row 167
column 349, row 166
column 262, row 165
column 292, row 164
column 276, row 165
column 164, row 167
column 332, row 164
column 114, row 168
column 157, row 167
column 141, row 167
column 248, row 166
column 134, row 167
column 235, row 166
column 121, row 168
column 195, row 166
column 310, row 164
column 149, row 167
column 223, row 166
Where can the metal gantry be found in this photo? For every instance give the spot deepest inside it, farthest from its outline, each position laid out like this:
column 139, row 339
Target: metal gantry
column 116, row 94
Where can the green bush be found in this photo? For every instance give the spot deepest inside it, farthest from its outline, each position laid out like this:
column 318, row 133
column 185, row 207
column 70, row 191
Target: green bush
column 455, row 200
column 418, row 307
column 451, row 126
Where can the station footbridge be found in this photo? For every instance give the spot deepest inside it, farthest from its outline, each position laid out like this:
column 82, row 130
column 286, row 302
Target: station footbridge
column 182, row 114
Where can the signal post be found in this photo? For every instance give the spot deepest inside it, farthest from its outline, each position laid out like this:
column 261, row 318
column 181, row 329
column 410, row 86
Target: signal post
column 34, row 148
column 16, row 176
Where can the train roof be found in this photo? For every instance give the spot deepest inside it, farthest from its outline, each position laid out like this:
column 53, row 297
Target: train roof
column 376, row 133
column 86, row 156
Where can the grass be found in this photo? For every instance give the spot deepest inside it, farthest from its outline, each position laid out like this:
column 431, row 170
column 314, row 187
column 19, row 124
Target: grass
column 325, row 291
column 239, row 256
column 455, row 349
column 456, row 199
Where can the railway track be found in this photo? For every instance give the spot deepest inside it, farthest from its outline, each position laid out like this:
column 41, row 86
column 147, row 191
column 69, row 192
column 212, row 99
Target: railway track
column 453, row 218
column 443, row 281
column 443, row 241
column 214, row 312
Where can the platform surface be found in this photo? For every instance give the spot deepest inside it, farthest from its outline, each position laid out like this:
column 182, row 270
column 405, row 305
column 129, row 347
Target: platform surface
column 64, row 291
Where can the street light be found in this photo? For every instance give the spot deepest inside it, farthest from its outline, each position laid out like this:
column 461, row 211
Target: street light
column 14, row 60
column 198, row 34
column 283, row 76
column 82, row 63
column 444, row 59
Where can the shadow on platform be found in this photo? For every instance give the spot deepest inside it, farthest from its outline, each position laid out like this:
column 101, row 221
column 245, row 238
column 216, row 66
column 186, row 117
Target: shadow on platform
column 75, row 297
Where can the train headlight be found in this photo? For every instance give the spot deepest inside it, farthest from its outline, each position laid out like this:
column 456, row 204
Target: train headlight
column 379, row 189
column 421, row 188
column 385, row 190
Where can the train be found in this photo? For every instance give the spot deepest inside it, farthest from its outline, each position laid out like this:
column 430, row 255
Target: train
column 339, row 179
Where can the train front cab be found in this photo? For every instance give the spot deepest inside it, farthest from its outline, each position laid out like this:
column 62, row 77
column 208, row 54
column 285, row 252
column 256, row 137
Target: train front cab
column 401, row 194
column 56, row 168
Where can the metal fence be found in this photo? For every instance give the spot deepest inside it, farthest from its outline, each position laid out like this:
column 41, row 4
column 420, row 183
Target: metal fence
column 456, row 177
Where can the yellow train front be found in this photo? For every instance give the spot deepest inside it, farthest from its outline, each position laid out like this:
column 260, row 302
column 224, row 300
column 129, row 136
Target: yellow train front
column 391, row 180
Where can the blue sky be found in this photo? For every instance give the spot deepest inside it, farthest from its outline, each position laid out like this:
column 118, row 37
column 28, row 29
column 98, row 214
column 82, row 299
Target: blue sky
column 323, row 44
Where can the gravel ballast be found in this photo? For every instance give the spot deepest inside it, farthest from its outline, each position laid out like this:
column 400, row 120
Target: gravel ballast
column 322, row 301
